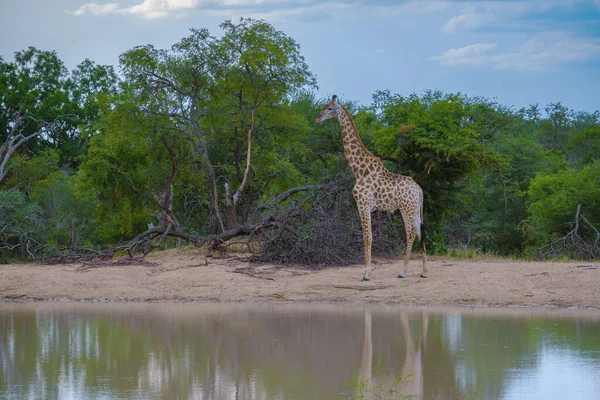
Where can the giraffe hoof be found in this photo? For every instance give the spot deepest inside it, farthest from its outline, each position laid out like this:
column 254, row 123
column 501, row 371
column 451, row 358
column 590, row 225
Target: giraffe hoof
column 365, row 279
column 401, row 275
column 423, row 276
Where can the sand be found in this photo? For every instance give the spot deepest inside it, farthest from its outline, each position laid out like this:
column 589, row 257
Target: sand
column 189, row 276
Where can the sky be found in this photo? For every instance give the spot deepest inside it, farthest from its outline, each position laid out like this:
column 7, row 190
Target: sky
column 517, row 52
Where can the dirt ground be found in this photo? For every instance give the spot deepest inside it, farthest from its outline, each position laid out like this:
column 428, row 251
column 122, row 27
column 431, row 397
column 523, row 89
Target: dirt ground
column 186, row 275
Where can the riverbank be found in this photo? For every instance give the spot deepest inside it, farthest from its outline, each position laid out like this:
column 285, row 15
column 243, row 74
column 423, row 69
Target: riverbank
column 187, row 276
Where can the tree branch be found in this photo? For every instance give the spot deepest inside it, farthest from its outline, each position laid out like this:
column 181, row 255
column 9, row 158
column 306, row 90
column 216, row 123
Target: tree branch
column 16, row 139
column 572, row 243
column 238, row 193
column 288, row 193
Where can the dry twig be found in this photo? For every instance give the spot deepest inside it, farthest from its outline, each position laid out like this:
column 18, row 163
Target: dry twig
column 573, row 244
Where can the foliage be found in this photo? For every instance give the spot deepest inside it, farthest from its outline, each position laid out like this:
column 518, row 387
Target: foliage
column 126, row 164
column 19, row 222
column 37, row 87
column 587, row 144
column 68, row 216
column 25, row 170
column 53, row 217
column 205, row 137
column 435, row 139
column 228, row 96
column 555, row 197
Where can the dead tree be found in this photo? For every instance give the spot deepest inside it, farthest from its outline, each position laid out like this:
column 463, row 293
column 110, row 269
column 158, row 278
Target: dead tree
column 321, row 229
column 573, row 244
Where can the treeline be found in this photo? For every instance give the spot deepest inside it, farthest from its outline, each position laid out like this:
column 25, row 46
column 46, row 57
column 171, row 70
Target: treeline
column 215, row 138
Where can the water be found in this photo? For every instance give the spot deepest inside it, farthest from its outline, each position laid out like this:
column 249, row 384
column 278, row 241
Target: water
column 270, row 351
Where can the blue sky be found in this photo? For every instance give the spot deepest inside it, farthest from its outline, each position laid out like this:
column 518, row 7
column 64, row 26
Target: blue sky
column 518, row 52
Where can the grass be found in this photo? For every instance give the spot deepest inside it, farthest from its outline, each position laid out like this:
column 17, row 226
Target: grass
column 366, row 389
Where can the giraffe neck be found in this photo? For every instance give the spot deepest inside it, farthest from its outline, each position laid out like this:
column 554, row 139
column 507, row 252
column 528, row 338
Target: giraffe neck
column 360, row 160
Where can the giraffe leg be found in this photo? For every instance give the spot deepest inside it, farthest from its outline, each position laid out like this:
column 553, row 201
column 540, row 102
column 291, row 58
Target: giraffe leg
column 423, row 254
column 410, row 239
column 365, row 219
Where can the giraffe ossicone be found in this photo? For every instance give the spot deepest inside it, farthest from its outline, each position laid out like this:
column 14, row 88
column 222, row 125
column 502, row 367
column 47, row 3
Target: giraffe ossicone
column 377, row 188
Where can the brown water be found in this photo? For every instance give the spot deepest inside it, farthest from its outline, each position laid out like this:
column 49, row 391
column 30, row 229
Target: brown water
column 269, row 351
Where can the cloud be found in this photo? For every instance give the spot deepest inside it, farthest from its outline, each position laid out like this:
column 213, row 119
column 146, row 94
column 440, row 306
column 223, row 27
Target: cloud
column 466, row 22
column 535, row 54
column 96, row 9
column 473, row 54
column 161, row 8
column 597, row 2
column 147, row 8
column 504, row 13
column 271, row 9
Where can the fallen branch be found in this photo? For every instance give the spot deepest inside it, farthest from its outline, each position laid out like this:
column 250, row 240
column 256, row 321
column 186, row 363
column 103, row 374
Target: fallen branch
column 321, row 228
column 572, row 244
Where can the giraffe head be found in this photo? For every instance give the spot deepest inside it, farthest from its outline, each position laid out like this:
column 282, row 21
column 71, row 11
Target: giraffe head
column 331, row 110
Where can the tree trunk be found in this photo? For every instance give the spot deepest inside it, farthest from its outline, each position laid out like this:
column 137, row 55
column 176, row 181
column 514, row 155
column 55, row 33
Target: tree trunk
column 234, row 200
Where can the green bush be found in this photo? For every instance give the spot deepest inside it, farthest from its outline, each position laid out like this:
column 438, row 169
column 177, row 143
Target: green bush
column 554, row 199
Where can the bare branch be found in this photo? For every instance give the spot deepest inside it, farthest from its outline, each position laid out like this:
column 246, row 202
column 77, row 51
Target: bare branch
column 572, row 244
column 238, row 193
column 287, row 194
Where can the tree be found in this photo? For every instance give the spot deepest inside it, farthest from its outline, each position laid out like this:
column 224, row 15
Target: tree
column 555, row 197
column 264, row 69
column 555, row 129
column 67, row 214
column 32, row 96
column 586, row 144
column 132, row 164
column 17, row 137
column 222, row 95
column 434, row 139
column 19, row 221
column 90, row 89
column 42, row 106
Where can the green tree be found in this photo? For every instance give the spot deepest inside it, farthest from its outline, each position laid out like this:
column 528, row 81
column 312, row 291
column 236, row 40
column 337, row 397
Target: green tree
column 224, row 95
column 90, row 88
column 434, row 139
column 68, row 215
column 131, row 164
column 42, row 106
column 31, row 100
column 492, row 207
column 586, row 144
column 554, row 199
column 556, row 127
column 19, row 222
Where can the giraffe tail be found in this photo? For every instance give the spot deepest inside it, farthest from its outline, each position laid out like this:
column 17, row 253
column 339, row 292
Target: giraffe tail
column 422, row 226
column 423, row 236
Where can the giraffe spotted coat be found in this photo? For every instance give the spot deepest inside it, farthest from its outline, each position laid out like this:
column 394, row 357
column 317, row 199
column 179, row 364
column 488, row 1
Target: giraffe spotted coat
column 377, row 188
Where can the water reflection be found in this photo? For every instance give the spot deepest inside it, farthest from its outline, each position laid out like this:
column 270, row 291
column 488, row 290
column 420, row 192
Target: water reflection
column 267, row 351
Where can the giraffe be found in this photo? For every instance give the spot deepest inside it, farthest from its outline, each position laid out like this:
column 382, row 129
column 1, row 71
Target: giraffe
column 377, row 188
